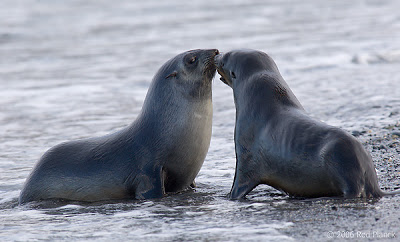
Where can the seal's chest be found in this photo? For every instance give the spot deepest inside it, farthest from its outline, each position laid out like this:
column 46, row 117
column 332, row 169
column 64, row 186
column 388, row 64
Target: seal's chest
column 199, row 116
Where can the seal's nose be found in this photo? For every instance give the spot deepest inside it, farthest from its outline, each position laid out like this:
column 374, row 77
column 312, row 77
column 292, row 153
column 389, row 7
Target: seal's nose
column 217, row 59
column 213, row 51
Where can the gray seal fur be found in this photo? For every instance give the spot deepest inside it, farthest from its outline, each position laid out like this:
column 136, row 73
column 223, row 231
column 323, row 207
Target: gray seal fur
column 278, row 144
column 160, row 152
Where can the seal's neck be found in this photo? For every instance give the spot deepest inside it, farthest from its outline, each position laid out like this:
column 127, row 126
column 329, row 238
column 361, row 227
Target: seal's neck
column 167, row 111
column 263, row 95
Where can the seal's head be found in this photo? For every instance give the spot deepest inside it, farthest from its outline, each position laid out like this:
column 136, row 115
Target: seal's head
column 190, row 72
column 184, row 80
column 239, row 64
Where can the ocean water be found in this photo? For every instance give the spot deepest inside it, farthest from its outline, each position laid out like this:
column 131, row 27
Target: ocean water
column 77, row 69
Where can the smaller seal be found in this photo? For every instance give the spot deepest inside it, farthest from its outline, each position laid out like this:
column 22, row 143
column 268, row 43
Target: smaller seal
column 160, row 152
column 278, row 144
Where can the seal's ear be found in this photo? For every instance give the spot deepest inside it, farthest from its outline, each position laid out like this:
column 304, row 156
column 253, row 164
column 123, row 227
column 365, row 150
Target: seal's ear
column 173, row 74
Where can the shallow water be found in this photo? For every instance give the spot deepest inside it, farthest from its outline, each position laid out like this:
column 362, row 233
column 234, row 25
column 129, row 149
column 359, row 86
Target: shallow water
column 77, row 69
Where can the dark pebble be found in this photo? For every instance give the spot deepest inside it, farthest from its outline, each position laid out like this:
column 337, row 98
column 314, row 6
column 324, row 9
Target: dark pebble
column 357, row 133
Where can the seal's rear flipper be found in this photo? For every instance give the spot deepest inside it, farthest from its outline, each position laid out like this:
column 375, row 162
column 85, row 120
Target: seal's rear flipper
column 392, row 193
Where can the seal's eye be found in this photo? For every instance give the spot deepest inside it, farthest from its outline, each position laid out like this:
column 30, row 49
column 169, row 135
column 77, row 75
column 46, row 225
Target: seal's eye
column 233, row 75
column 192, row 60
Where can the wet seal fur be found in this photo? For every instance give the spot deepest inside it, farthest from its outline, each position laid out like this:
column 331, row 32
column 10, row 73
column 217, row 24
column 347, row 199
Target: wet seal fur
column 278, row 144
column 160, row 152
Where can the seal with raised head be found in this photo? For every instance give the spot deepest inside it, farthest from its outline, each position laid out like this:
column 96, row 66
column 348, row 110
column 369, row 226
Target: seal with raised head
column 278, row 144
column 160, row 152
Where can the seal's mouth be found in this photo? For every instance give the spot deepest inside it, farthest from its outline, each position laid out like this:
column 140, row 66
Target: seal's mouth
column 223, row 79
column 220, row 69
column 210, row 66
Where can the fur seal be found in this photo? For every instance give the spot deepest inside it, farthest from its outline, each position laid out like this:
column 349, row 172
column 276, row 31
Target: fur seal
column 160, row 152
column 278, row 144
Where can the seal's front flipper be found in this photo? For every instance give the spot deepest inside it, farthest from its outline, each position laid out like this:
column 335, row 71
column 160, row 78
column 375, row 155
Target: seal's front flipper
column 193, row 185
column 241, row 189
column 151, row 187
